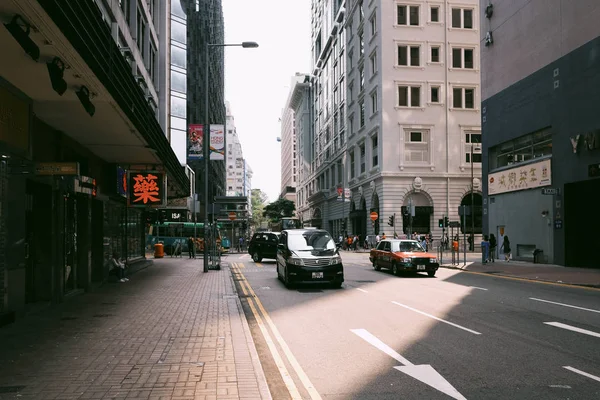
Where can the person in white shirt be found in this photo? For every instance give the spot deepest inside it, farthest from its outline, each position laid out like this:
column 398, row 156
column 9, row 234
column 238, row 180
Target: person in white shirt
column 119, row 267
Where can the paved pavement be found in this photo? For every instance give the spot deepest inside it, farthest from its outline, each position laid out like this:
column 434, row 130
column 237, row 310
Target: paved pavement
column 171, row 332
column 458, row 335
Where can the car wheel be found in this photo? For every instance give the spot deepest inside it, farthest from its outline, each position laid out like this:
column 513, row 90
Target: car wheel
column 376, row 266
column 256, row 257
column 336, row 284
column 431, row 273
column 286, row 280
column 395, row 270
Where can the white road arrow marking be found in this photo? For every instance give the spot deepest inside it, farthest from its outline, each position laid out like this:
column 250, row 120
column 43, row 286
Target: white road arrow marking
column 573, row 328
column 424, row 373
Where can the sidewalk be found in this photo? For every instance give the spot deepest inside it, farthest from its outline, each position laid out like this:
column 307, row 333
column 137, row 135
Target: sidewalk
column 171, row 332
column 526, row 270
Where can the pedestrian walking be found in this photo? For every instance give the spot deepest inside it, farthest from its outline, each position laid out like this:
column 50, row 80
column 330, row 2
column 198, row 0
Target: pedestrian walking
column 191, row 248
column 485, row 250
column 506, row 249
column 493, row 246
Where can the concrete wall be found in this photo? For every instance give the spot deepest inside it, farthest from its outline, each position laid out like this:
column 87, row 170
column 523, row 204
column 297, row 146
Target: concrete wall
column 530, row 34
column 524, row 225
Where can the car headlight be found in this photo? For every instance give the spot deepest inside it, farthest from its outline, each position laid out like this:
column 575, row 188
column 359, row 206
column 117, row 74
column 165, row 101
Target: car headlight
column 335, row 260
column 433, row 260
column 406, row 260
column 296, row 261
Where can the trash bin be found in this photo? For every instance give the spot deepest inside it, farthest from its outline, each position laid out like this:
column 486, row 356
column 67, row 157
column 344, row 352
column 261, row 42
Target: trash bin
column 159, row 250
column 538, row 255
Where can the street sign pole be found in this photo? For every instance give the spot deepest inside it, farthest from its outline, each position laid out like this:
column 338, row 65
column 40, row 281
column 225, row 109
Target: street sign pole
column 465, row 235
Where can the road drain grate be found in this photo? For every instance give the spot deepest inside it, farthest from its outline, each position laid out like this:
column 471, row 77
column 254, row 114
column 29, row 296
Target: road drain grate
column 11, row 389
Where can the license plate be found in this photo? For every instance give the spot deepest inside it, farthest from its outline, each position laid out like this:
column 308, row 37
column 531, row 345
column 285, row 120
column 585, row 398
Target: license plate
column 317, row 275
column 421, row 267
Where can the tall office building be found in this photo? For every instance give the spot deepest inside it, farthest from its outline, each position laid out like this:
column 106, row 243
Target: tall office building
column 413, row 122
column 289, row 162
column 540, row 78
column 235, row 158
column 322, row 147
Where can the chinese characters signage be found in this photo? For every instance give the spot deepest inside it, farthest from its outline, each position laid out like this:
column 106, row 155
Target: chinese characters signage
column 146, row 188
column 122, row 181
column 528, row 176
column 195, row 142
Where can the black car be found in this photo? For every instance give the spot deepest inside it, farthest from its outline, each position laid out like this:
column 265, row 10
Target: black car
column 263, row 245
column 309, row 255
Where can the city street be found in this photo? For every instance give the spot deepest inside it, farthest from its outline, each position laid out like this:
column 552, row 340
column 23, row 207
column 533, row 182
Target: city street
column 458, row 335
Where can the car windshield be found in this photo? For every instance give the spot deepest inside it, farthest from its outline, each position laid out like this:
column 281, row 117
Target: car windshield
column 406, row 246
column 308, row 241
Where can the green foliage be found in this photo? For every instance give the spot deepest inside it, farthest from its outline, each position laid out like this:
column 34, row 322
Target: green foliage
column 258, row 199
column 280, row 208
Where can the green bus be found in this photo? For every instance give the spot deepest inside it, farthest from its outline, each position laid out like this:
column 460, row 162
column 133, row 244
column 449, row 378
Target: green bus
column 171, row 233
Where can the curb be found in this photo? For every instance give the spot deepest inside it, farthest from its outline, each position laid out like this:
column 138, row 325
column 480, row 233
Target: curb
column 263, row 386
column 516, row 277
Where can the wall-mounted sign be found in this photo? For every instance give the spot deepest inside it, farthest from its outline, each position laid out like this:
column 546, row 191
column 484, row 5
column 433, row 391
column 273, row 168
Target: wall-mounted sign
column 85, row 185
column 146, row 188
column 551, row 191
column 57, row 168
column 590, row 141
column 122, row 181
column 195, row 142
column 529, row 176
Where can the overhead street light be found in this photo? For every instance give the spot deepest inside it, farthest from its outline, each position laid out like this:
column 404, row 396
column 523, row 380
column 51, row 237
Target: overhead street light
column 206, row 133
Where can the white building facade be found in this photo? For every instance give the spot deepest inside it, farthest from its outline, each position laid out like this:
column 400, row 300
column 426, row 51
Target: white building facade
column 235, row 163
column 321, row 148
column 413, row 119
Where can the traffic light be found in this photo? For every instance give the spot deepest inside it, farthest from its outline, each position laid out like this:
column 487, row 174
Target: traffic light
column 391, row 220
column 446, row 222
column 343, row 225
column 441, row 222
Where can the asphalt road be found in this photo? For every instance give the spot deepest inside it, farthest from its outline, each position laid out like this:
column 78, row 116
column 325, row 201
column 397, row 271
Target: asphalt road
column 457, row 335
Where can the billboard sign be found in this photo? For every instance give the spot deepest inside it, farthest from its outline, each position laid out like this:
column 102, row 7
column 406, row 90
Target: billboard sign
column 146, row 188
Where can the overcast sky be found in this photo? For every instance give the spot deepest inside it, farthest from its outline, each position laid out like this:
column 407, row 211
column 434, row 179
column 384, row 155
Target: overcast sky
column 257, row 81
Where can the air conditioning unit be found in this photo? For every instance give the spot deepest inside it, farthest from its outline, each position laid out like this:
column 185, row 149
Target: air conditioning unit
column 489, row 38
column 127, row 53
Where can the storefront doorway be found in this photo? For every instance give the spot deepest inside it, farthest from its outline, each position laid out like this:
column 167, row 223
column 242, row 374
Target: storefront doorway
column 582, row 218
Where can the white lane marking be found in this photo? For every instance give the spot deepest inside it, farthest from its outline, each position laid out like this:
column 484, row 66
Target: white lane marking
column 437, row 319
column 560, row 386
column 580, row 372
column 373, row 340
column 476, row 287
column 565, row 305
column 362, row 290
column 424, row 373
column 573, row 328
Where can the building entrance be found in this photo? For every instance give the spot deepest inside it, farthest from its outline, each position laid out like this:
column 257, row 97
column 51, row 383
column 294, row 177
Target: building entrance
column 582, row 219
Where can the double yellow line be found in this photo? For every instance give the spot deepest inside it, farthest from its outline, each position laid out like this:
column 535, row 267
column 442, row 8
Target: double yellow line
column 261, row 315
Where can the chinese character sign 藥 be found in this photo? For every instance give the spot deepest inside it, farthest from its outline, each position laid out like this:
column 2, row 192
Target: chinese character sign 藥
column 146, row 188
column 529, row 176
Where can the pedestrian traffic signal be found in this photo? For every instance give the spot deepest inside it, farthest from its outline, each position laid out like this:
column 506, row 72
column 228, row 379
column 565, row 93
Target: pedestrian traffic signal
column 391, row 220
column 441, row 222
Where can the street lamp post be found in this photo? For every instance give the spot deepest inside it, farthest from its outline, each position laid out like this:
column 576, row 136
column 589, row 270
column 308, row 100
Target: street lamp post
column 472, row 202
column 206, row 135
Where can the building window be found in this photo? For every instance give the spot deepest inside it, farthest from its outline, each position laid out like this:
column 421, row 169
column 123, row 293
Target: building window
column 141, row 29
column 409, row 96
column 361, row 38
column 462, row 18
column 434, row 14
column 416, row 147
column 463, row 98
column 373, row 59
column 473, row 139
column 350, row 60
column 435, row 54
column 178, row 32
column 362, row 113
column 351, row 125
column 374, row 102
column 361, row 72
column 125, row 6
column 409, row 55
column 361, row 14
column 462, row 58
column 522, row 149
column 435, row 94
column 363, row 157
column 407, row 15
column 152, row 64
column 374, row 150
column 352, row 166
column 373, row 22
column 350, row 90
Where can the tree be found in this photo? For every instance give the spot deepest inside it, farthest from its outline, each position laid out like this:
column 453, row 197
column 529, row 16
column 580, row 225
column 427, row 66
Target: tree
column 280, row 208
column 258, row 199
